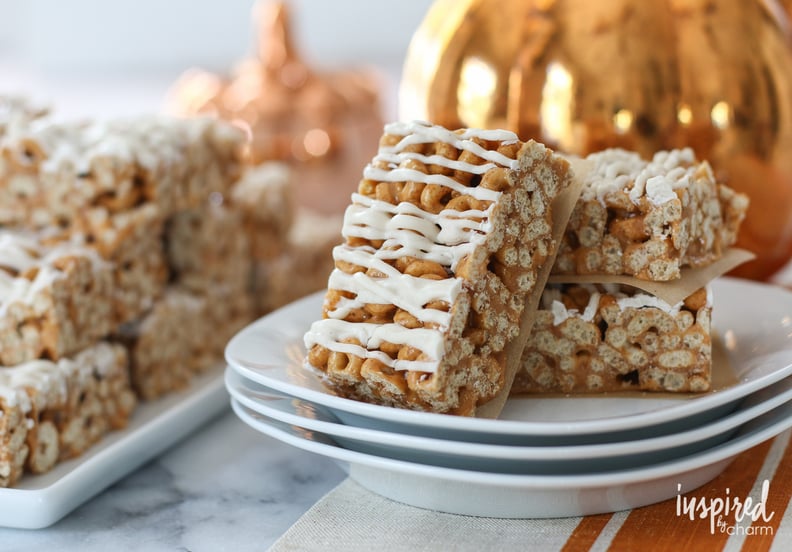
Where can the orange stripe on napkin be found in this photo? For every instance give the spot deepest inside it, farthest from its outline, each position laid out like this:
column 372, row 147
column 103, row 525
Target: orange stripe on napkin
column 586, row 533
column 659, row 525
column 777, row 502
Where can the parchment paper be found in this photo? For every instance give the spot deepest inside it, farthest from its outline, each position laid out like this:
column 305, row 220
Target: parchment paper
column 671, row 292
column 562, row 207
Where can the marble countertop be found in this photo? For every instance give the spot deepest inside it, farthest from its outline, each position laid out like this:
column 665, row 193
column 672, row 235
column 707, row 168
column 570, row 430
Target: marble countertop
column 225, row 487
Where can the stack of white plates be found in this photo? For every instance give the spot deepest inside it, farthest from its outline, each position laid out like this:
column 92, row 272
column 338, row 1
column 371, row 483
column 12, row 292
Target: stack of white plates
column 544, row 457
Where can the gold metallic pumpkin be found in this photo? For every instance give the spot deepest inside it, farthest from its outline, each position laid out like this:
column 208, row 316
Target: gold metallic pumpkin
column 582, row 76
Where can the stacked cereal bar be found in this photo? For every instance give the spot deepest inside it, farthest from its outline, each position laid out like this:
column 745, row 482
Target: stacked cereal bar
column 596, row 338
column 52, row 410
column 183, row 335
column 265, row 197
column 648, row 220
column 113, row 186
column 126, row 263
column 54, row 300
column 55, row 173
column 306, row 264
column 206, row 302
column 131, row 242
column 292, row 248
column 443, row 244
column 215, row 252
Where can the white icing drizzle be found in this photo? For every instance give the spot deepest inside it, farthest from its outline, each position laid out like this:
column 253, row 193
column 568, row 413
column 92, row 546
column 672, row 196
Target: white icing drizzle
column 408, row 231
column 330, row 333
column 16, row 112
column 420, row 132
column 18, row 252
column 46, row 376
column 407, row 292
column 444, row 238
column 21, row 253
column 151, row 141
column 621, row 170
column 592, row 307
column 561, row 313
column 42, row 375
column 396, row 158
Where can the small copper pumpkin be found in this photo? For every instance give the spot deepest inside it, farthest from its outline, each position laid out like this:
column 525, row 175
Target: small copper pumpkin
column 325, row 125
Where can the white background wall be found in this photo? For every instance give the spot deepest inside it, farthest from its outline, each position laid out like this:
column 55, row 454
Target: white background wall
column 72, row 35
column 131, row 49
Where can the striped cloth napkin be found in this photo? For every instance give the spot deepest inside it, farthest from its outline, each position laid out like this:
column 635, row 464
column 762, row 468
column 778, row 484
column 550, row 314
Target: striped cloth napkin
column 350, row 518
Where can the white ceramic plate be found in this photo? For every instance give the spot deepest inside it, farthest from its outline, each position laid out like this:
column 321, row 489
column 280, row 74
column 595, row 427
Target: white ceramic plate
column 505, row 458
column 39, row 501
column 526, row 496
column 754, row 321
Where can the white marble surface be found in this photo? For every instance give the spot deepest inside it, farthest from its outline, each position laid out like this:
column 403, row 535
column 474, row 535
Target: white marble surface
column 225, row 487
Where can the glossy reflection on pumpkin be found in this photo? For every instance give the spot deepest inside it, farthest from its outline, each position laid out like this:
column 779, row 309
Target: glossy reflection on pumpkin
column 583, row 76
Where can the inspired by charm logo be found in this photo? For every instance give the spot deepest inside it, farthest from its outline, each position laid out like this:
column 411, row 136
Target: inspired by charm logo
column 727, row 514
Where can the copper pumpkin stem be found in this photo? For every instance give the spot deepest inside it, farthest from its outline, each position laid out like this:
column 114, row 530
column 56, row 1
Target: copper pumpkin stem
column 276, row 50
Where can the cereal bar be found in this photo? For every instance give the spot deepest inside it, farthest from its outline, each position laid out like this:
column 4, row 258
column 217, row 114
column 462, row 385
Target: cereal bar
column 304, row 265
column 54, row 300
column 53, row 172
column 17, row 112
column 264, row 195
column 598, row 338
column 131, row 241
column 649, row 218
column 183, row 334
column 443, row 244
column 220, row 242
column 208, row 249
column 50, row 411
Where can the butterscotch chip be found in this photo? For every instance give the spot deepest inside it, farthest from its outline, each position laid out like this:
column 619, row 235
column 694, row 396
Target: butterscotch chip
column 443, row 243
column 648, row 219
column 599, row 338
